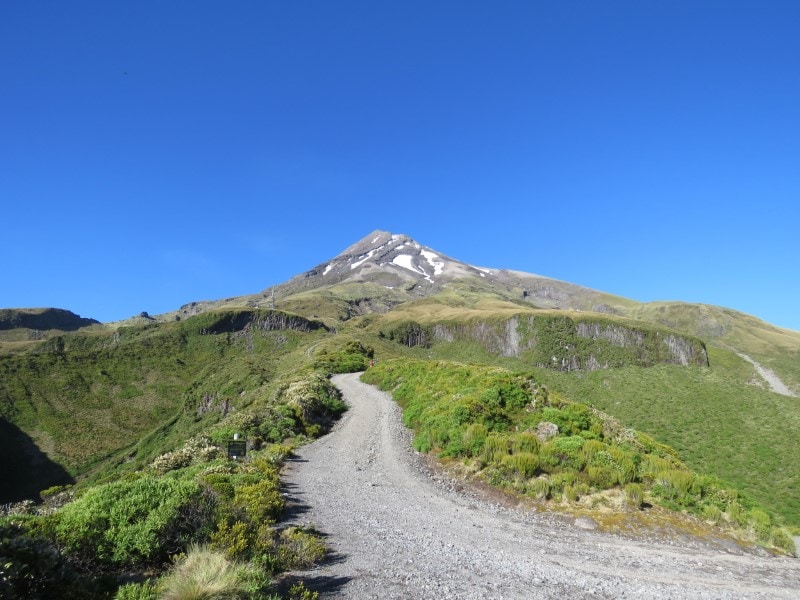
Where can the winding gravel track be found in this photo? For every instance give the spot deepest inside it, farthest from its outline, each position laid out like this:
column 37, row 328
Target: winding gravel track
column 397, row 532
column 774, row 382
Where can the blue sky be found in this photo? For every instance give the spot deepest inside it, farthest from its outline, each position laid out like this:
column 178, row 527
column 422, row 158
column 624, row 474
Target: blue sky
column 156, row 153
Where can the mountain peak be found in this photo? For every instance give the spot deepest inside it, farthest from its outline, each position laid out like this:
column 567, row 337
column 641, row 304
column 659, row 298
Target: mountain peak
column 373, row 241
column 392, row 260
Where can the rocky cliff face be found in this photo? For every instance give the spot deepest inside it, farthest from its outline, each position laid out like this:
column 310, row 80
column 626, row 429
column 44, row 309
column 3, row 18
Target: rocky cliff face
column 564, row 342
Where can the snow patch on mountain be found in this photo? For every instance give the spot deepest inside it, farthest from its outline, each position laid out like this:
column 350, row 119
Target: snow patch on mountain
column 438, row 266
column 365, row 257
column 327, row 269
column 407, row 262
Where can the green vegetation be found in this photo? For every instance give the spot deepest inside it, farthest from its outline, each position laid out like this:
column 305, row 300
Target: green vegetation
column 172, row 493
column 519, row 435
column 221, row 514
column 96, row 400
column 139, row 416
column 717, row 421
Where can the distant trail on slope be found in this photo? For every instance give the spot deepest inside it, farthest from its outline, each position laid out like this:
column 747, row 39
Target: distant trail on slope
column 774, row 382
column 396, row 532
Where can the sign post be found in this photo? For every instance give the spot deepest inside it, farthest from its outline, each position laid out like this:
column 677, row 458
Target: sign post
column 237, row 448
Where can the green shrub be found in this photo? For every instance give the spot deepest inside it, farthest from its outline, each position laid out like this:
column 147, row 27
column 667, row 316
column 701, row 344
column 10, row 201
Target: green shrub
column 564, row 453
column 652, row 465
column 196, row 450
column 675, row 485
column 235, row 539
column 299, row 549
column 495, row 447
column 137, row 591
column 134, row 522
column 474, row 438
column 298, row 591
column 712, row 513
column 571, row 419
column 523, row 464
column 760, row 522
column 781, row 538
column 32, row 567
column 314, row 400
column 245, row 423
column 261, row 501
column 570, row 493
column 525, row 442
column 593, row 447
column 601, row 477
column 735, row 513
column 219, row 483
column 539, row 488
column 352, row 358
column 635, row 494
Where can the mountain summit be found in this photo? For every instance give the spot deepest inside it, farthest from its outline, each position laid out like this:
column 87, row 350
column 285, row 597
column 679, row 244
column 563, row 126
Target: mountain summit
column 398, row 263
column 394, row 261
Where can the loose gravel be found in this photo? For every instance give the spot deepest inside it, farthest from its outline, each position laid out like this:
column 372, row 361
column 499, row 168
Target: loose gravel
column 398, row 529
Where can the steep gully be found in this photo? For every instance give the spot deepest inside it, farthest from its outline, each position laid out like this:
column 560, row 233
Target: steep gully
column 398, row 530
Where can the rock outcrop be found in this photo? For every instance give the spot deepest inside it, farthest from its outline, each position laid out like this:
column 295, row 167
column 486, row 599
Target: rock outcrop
column 563, row 342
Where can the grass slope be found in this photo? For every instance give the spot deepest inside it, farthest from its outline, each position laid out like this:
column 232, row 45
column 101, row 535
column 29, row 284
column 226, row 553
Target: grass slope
column 719, row 424
column 135, row 392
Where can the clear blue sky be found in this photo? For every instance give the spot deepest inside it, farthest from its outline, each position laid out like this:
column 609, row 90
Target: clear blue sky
column 156, row 153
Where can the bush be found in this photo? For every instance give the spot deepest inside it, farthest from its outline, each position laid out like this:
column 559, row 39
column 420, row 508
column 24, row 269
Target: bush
column 32, row 567
column 601, row 477
column 261, row 501
column 134, row 522
column 781, row 538
column 570, row 493
column 675, row 485
column 314, row 400
column 525, row 442
column 495, row 447
column 539, row 488
column 712, row 513
column 522, row 465
column 196, row 450
column 299, row 549
column 474, row 438
column 635, row 494
column 137, row 591
column 352, row 358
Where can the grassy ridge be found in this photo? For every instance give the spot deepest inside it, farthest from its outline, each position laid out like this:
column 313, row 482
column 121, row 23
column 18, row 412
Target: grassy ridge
column 517, row 434
column 87, row 397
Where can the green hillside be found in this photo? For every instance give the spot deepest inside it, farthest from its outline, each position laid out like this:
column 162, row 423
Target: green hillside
column 141, row 417
column 513, row 432
column 654, row 404
column 90, row 398
column 720, row 418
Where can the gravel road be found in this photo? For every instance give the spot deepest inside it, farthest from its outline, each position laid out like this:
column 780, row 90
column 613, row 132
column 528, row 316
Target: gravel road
column 397, row 530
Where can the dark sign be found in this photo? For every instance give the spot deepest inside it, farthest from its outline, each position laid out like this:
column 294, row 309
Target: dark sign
column 237, row 448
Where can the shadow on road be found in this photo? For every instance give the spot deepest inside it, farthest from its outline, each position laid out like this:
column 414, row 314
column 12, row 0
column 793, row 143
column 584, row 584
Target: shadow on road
column 324, row 584
column 295, row 506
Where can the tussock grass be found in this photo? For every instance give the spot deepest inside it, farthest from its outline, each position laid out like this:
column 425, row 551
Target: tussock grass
column 205, row 574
